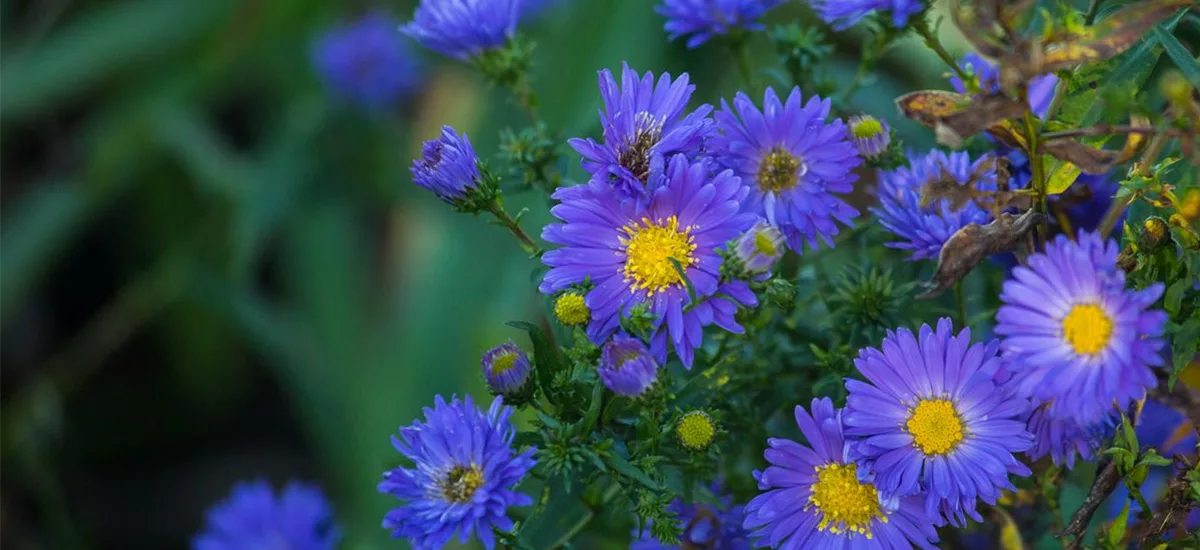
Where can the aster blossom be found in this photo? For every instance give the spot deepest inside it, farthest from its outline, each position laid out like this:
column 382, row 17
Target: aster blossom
column 463, row 29
column 843, row 14
column 644, row 124
column 633, row 255
column 813, row 497
column 717, row 526
column 626, row 366
column 759, row 248
column 448, row 166
column 700, row 20
column 255, row 517
column 367, row 62
column 1075, row 336
column 463, row 474
column 929, row 418
column 925, row 228
column 871, row 136
column 793, row 163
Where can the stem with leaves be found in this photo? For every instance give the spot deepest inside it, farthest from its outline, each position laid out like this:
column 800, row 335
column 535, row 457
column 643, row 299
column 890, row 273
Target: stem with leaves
column 513, row 225
column 593, row 511
column 931, row 40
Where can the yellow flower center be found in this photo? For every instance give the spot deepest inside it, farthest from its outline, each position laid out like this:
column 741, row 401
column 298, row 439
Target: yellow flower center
column 763, row 244
column 504, row 363
column 1087, row 328
column 460, row 484
column 649, row 249
column 571, row 309
column 935, row 426
column 779, row 170
column 866, row 127
column 845, row 505
column 696, row 430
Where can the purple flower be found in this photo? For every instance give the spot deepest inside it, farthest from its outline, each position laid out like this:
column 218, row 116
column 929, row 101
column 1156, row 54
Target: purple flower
column 633, row 255
column 870, row 135
column 463, row 474
column 715, row 526
column 843, row 14
column 644, row 124
column 367, row 62
column 254, row 517
column 759, row 248
column 506, row 368
column 700, row 20
column 626, row 366
column 1087, row 214
column 1063, row 438
column 1073, row 335
column 815, row 497
column 463, row 29
column 930, row 419
column 448, row 166
column 924, row 229
column 793, row 163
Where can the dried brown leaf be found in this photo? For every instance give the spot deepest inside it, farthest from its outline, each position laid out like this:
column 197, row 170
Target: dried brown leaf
column 973, row 243
column 1110, row 37
column 1090, row 160
column 957, row 116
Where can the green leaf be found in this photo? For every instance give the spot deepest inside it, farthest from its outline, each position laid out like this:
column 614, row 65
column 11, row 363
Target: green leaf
column 1116, row 533
column 546, row 355
column 1189, row 66
column 588, row 421
column 623, row 467
column 1173, row 298
column 691, row 290
column 1061, row 175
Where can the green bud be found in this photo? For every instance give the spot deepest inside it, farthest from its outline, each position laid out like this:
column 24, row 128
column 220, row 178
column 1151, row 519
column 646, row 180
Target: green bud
column 781, row 293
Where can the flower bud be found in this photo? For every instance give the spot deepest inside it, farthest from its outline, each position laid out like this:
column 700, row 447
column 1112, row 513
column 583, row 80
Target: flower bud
column 506, row 368
column 759, row 248
column 870, row 135
column 626, row 366
column 570, row 309
column 696, row 431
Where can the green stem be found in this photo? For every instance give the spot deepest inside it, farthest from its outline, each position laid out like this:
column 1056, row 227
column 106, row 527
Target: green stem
column 1109, row 221
column 1136, row 493
column 1093, row 10
column 931, row 40
column 502, row 216
column 586, row 519
column 527, row 99
column 960, row 300
column 1038, row 181
column 741, row 52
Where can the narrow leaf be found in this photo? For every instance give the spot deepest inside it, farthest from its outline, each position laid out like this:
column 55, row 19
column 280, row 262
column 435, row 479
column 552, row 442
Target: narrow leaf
column 1189, row 66
column 625, row 468
column 547, row 356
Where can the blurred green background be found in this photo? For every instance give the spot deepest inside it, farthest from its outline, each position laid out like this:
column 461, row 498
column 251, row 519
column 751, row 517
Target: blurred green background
column 212, row 270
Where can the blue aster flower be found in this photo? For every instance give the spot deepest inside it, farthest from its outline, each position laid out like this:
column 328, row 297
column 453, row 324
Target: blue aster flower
column 924, row 229
column 717, row 526
column 843, row 14
column 506, row 368
column 367, row 62
column 1062, row 439
column 793, row 162
column 930, row 419
column 254, row 517
column 814, row 497
column 644, row 123
column 463, row 475
column 626, row 366
column 700, row 20
column 1074, row 336
column 448, row 166
column 1087, row 214
column 630, row 253
column 463, row 29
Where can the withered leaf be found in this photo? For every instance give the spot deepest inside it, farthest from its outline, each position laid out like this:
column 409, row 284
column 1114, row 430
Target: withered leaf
column 978, row 20
column 1090, row 160
column 1109, row 38
column 957, row 116
column 973, row 243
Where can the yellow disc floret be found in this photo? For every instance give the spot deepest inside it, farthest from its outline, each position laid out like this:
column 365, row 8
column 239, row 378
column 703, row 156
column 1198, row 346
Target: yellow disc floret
column 696, row 430
column 935, row 426
column 503, row 363
column 843, row 503
column 649, row 248
column 571, row 310
column 764, row 245
column 460, row 483
column 778, row 171
column 1087, row 328
column 866, row 127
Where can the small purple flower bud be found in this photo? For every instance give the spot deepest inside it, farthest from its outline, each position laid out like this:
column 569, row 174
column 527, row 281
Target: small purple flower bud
column 448, row 166
column 870, row 135
column 626, row 366
column 760, row 247
column 506, row 368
